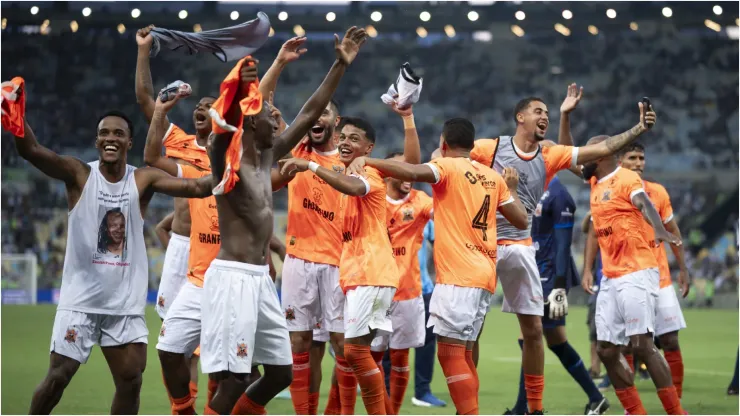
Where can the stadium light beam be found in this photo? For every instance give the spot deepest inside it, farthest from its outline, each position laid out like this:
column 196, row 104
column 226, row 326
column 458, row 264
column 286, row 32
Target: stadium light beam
column 376, row 16
column 371, row 31
column 135, row 13
column 634, row 26
column 473, row 16
column 183, row 14
column 298, row 30
column 121, row 28
column 562, row 29
column 611, row 13
column 567, row 14
column 520, row 15
column 5, row 23
column 712, row 25
column 667, row 12
column 593, row 30
column 34, row 10
column 234, row 15
column 717, row 9
column 331, row 16
column 74, row 26
column 516, row 30
column 450, row 31
column 86, row 11
column 283, row 16
column 421, row 32
column 425, row 16
column 197, row 28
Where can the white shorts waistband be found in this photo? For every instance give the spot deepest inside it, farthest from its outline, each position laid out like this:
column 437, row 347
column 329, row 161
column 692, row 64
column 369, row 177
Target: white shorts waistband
column 180, row 237
column 239, row 266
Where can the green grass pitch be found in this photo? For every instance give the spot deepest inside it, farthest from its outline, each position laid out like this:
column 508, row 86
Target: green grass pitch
column 709, row 348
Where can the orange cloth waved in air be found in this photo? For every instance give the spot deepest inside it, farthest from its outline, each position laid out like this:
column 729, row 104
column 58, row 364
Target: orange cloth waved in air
column 183, row 146
column 205, row 236
column 250, row 105
column 406, row 219
column 619, row 225
column 662, row 202
column 14, row 106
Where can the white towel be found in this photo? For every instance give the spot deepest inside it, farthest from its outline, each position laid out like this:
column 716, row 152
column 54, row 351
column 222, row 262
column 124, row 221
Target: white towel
column 407, row 87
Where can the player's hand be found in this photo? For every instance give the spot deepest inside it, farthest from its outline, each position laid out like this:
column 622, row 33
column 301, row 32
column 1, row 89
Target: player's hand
column 291, row 50
column 357, row 167
column 558, row 301
column 248, row 73
column 144, row 37
column 292, row 166
column 167, row 105
column 403, row 113
column 683, row 282
column 667, row 237
column 511, row 177
column 648, row 119
column 587, row 282
column 347, row 49
column 572, row 98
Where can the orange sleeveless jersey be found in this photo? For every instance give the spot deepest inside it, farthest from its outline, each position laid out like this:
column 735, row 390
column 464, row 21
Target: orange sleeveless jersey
column 662, row 202
column 406, row 220
column 466, row 197
column 619, row 225
column 367, row 255
column 183, row 146
column 314, row 212
column 205, row 237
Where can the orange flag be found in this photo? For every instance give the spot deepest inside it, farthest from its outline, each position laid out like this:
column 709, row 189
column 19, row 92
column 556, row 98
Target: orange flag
column 13, row 106
column 250, row 105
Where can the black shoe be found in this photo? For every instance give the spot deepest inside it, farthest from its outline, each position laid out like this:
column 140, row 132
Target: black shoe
column 597, row 408
column 732, row 391
column 508, row 412
column 536, row 412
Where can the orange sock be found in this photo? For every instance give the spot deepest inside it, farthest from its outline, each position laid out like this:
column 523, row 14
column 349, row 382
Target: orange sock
column 630, row 400
column 631, row 361
column 473, row 369
column 332, row 406
column 675, row 362
column 378, row 358
column 313, row 403
column 399, row 377
column 193, row 390
column 245, row 406
column 460, row 380
column 301, row 381
column 212, row 387
column 183, row 406
column 210, row 411
column 368, row 377
column 534, row 384
column 671, row 403
column 347, row 384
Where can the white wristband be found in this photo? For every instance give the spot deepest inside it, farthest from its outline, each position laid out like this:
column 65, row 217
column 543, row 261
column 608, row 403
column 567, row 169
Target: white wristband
column 312, row 166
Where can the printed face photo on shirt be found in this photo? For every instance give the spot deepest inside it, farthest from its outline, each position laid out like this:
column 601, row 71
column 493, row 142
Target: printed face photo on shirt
column 111, row 233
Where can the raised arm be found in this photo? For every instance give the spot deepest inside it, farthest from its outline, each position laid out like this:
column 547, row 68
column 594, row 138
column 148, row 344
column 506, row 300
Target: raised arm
column 399, row 170
column 154, row 138
column 683, row 275
column 612, row 145
column 348, row 185
column 152, row 180
column 346, row 52
column 289, row 52
column 411, row 148
column 572, row 98
column 163, row 229
column 144, row 84
column 71, row 170
column 641, row 201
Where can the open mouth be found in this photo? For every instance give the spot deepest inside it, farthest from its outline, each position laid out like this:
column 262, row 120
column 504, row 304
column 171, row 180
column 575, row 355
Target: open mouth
column 200, row 118
column 110, row 149
column 317, row 132
column 345, row 151
column 542, row 125
column 406, row 186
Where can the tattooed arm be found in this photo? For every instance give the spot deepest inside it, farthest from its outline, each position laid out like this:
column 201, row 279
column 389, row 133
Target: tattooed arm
column 612, row 145
column 641, row 201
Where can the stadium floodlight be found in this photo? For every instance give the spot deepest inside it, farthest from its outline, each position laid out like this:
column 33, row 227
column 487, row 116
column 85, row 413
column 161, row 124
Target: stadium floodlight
column 283, row 16
column 449, row 31
column 34, row 10
column 135, row 13
column 611, row 13
column 593, row 30
column 298, row 30
column 121, row 28
column 371, row 31
column 86, row 11
column 234, row 15
column 633, row 26
column 562, row 29
column 183, row 14
column 717, row 9
column 567, row 14
column 74, row 26
column 272, row 32
column 331, row 16
column 421, row 32
column 712, row 25
column 667, row 12
column 520, row 15
column 197, row 28
column 473, row 16
column 425, row 16
column 376, row 16
column 518, row 31
column 5, row 23
column 737, row 22
column 19, row 278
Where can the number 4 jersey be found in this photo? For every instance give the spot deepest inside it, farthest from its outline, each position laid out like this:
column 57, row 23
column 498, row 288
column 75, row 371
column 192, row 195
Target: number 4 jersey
column 466, row 196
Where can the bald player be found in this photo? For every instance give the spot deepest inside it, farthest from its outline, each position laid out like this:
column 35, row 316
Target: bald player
column 517, row 266
column 466, row 193
column 234, row 337
column 628, row 295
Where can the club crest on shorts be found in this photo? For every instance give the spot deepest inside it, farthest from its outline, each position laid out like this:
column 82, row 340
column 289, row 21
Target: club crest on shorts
column 160, row 301
column 161, row 331
column 289, row 314
column 318, row 325
column 241, row 349
column 71, row 335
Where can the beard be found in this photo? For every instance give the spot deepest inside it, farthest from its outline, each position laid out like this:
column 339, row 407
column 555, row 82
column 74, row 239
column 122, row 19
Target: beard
column 589, row 171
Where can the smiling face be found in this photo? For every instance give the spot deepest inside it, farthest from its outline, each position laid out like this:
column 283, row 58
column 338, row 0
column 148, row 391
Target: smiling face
column 323, row 130
column 201, row 118
column 534, row 119
column 353, row 143
column 403, row 187
column 113, row 140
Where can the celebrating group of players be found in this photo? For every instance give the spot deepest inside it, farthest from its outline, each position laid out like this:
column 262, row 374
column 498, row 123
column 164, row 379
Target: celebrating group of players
column 351, row 272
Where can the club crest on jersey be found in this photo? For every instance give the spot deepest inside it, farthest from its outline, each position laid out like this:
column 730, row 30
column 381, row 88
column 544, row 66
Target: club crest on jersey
column 337, row 168
column 160, row 301
column 292, row 240
column 214, row 223
column 71, row 335
column 408, row 214
column 317, row 196
column 289, row 314
column 606, row 196
column 241, row 350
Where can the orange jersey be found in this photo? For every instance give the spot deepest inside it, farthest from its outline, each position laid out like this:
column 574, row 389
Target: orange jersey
column 406, row 219
column 205, row 237
column 466, row 197
column 662, row 202
column 183, row 146
column 367, row 255
column 314, row 212
column 619, row 225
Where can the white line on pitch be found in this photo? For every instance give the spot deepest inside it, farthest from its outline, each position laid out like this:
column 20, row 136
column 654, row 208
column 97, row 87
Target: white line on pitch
column 688, row 370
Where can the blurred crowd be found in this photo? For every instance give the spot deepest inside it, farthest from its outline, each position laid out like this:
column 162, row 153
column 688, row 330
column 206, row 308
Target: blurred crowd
column 691, row 79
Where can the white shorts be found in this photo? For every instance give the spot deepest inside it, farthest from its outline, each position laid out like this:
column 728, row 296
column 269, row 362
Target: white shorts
column 180, row 331
column 626, row 306
column 409, row 331
column 668, row 316
column 311, row 296
column 321, row 335
column 174, row 272
column 458, row 312
column 367, row 308
column 516, row 269
column 242, row 324
column 75, row 333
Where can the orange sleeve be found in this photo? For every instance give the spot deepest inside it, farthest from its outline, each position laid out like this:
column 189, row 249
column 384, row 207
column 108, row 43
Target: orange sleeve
column 189, row 172
column 558, row 158
column 665, row 209
column 427, row 205
column 175, row 137
column 484, row 151
column 631, row 185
